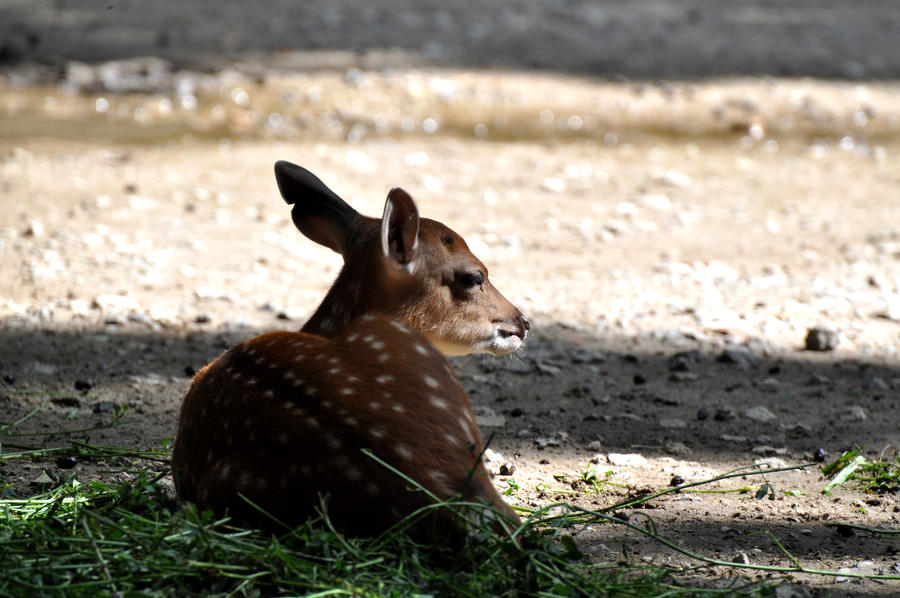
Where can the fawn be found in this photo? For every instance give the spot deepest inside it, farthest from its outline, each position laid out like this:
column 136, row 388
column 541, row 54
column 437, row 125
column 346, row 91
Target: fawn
column 280, row 420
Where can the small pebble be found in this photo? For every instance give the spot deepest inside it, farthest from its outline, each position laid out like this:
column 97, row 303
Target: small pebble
column 66, row 461
column 702, row 414
column 9, row 378
column 673, row 447
column 878, row 384
column 103, row 407
column 83, row 385
column 819, row 455
column 682, row 377
column 759, row 414
column 736, row 357
column 724, row 414
column 508, row 469
column 676, row 481
column 66, row 401
column 855, row 413
column 684, row 361
column 821, row 339
column 639, row 379
column 189, row 371
column 817, row 379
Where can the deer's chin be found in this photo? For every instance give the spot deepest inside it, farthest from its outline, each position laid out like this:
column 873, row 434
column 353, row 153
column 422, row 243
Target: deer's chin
column 504, row 345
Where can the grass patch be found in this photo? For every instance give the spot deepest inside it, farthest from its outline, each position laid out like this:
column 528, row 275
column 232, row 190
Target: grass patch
column 880, row 476
column 130, row 538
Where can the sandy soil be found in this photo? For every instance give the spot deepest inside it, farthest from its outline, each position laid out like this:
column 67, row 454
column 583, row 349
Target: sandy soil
column 672, row 244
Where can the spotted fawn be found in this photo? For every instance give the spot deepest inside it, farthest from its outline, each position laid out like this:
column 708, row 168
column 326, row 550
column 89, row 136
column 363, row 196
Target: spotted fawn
column 278, row 423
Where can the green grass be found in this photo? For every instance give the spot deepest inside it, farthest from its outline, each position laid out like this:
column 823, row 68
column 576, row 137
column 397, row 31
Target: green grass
column 131, row 538
column 879, row 476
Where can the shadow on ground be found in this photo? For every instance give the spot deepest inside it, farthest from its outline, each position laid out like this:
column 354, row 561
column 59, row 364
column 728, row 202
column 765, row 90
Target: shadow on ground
column 731, row 405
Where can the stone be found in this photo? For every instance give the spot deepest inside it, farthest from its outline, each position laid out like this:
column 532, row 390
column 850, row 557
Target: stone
column 855, row 413
column 736, row 357
column 821, row 339
column 759, row 413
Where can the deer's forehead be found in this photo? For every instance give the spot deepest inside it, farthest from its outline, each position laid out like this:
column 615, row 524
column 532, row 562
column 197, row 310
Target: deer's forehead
column 444, row 245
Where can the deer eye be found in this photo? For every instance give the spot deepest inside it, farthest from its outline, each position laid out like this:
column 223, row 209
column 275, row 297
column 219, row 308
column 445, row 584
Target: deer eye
column 470, row 279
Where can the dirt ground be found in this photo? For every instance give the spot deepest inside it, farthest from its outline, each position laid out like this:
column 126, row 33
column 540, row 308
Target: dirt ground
column 671, row 243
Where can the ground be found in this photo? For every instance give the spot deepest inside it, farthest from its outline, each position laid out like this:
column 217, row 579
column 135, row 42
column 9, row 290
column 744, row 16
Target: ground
column 671, row 243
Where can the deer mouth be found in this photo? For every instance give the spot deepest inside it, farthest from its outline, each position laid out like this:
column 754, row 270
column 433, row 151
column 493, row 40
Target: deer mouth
column 505, row 342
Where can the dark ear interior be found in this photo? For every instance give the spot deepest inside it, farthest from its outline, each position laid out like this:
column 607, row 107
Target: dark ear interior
column 399, row 227
column 318, row 212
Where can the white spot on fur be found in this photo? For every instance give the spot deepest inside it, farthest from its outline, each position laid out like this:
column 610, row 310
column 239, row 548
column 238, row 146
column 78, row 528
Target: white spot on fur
column 306, row 469
column 224, row 471
column 332, row 441
column 368, row 318
column 374, row 405
column 299, row 357
column 268, row 393
column 451, row 439
column 352, row 337
column 384, row 357
column 377, row 432
column 347, row 391
column 438, row 402
column 372, row 489
column 245, row 479
column 384, row 378
column 377, row 345
column 252, row 382
column 368, row 338
column 283, row 438
column 333, row 361
column 403, row 451
column 334, row 371
column 350, row 421
column 326, row 404
column 431, row 382
column 400, row 326
column 312, row 422
column 352, row 473
column 398, row 408
column 421, row 350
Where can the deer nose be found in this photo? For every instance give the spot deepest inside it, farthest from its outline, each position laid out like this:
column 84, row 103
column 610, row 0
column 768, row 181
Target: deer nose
column 524, row 326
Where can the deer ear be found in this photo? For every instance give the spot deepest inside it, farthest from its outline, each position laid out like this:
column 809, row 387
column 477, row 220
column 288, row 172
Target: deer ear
column 400, row 228
column 318, row 212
